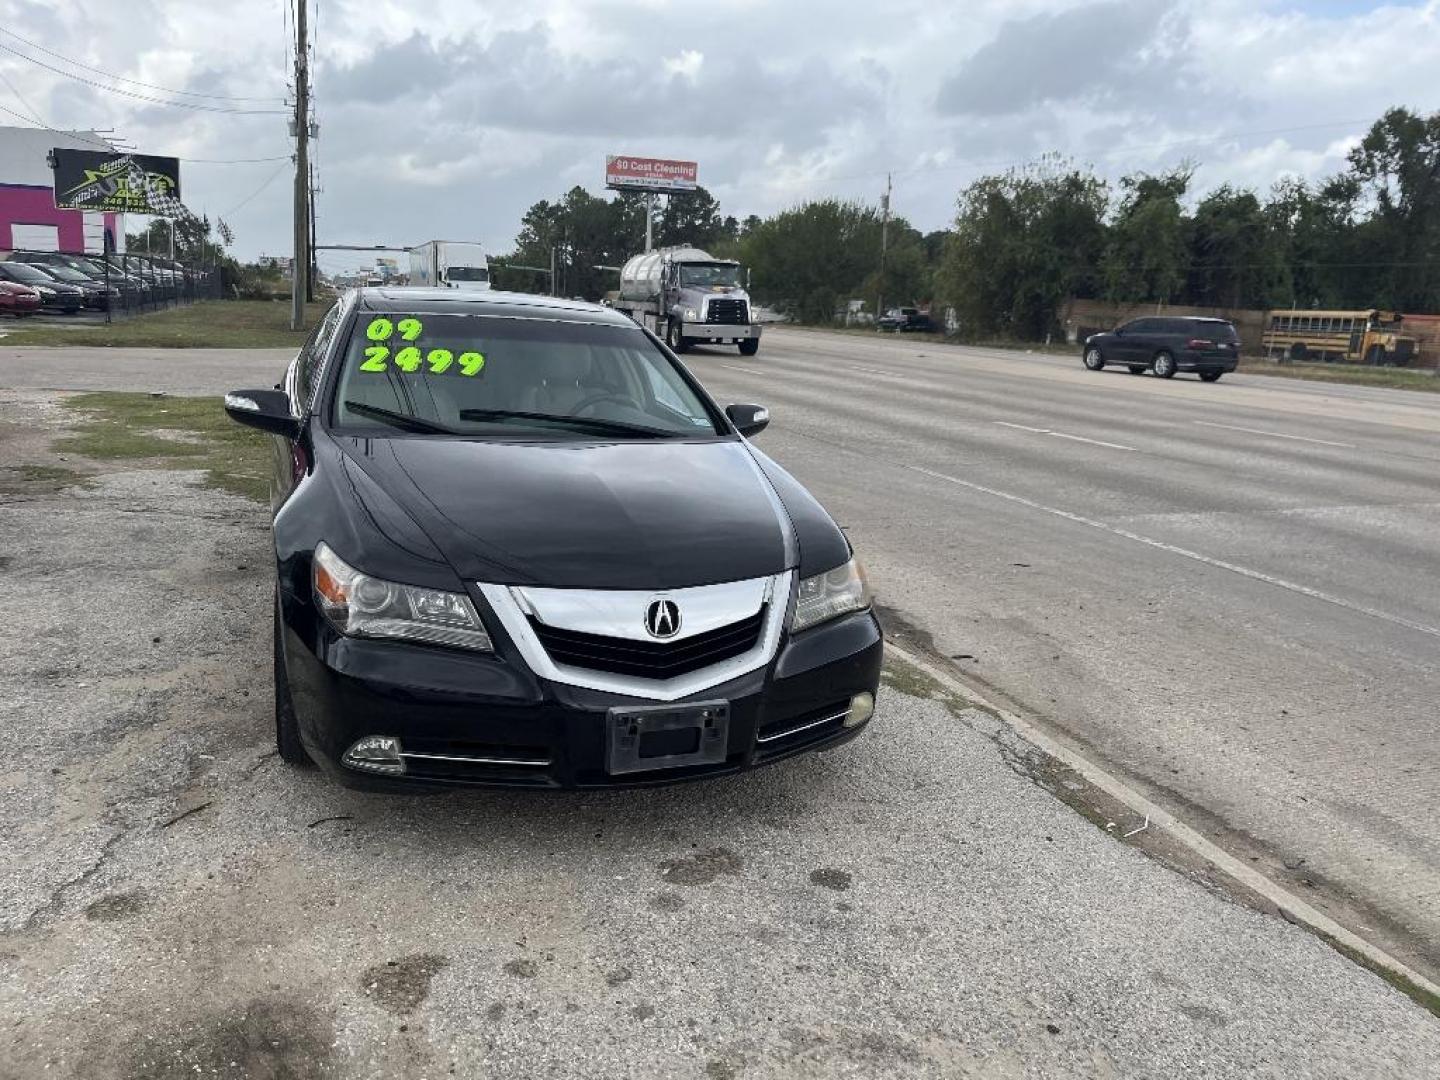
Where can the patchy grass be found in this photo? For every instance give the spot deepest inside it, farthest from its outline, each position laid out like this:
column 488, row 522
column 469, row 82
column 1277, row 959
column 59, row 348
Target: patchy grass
column 39, row 479
column 214, row 324
column 157, row 431
column 1395, row 378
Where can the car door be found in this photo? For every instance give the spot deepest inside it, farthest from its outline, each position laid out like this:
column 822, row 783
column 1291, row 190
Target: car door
column 1126, row 347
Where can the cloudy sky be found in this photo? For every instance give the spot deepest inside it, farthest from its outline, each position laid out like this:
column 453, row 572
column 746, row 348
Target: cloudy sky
column 448, row 118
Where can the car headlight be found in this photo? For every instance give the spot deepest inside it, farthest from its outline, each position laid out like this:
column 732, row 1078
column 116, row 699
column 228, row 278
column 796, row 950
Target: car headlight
column 363, row 606
column 835, row 592
column 44, row 291
column 691, row 315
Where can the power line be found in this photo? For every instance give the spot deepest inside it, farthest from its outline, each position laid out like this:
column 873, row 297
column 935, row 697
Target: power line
column 256, row 193
column 57, row 131
column 125, row 79
column 140, row 97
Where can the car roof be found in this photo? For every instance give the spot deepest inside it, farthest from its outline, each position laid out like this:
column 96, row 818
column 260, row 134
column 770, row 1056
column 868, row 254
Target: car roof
column 419, row 300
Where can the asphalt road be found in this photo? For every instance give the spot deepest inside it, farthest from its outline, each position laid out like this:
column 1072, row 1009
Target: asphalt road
column 1226, row 591
column 176, row 902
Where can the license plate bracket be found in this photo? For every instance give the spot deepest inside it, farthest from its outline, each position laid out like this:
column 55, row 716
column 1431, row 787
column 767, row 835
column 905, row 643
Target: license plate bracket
column 643, row 738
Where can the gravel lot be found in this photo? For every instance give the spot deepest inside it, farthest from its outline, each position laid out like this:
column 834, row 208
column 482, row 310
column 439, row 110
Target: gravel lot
column 176, row 902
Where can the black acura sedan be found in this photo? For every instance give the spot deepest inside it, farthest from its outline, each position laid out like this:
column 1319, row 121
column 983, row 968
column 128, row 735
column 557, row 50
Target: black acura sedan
column 517, row 544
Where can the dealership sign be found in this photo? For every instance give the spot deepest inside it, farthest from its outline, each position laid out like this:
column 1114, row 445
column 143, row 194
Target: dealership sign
column 123, row 183
column 649, row 174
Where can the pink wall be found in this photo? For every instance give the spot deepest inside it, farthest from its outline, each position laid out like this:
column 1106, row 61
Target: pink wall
column 36, row 206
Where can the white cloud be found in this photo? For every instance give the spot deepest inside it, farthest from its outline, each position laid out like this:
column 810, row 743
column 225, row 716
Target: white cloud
column 452, row 117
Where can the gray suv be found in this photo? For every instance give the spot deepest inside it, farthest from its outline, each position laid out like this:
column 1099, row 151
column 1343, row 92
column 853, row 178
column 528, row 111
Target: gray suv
column 1167, row 344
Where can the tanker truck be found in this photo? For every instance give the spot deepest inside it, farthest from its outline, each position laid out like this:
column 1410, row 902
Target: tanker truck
column 689, row 298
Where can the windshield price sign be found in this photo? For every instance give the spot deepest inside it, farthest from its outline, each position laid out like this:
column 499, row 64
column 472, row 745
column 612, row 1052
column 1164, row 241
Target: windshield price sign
column 650, row 174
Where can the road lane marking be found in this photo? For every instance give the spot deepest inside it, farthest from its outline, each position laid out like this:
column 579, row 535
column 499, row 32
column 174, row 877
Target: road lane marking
column 1062, row 435
column 877, row 371
column 1024, row 427
column 1221, row 564
column 1277, row 435
column 1092, row 442
column 751, row 370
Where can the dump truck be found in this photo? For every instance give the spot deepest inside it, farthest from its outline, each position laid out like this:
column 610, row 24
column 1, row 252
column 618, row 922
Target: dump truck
column 689, row 298
column 442, row 264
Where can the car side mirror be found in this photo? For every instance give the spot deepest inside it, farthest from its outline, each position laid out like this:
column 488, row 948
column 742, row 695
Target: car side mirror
column 748, row 419
column 268, row 410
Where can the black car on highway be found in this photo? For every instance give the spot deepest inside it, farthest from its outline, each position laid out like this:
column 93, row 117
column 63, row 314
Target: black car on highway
column 1167, row 344
column 54, row 295
column 517, row 544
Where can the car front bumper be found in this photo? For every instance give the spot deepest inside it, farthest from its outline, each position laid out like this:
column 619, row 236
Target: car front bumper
column 483, row 720
column 730, row 332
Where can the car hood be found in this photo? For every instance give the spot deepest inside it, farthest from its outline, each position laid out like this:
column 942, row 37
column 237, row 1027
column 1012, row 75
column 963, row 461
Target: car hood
column 637, row 514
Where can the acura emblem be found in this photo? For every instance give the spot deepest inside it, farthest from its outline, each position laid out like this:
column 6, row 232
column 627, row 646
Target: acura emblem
column 662, row 618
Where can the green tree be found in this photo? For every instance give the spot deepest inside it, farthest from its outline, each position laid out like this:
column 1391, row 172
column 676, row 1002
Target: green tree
column 1023, row 241
column 1236, row 259
column 807, row 260
column 1147, row 255
column 1396, row 168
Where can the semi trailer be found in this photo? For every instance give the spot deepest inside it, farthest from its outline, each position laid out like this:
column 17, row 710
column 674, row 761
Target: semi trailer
column 689, row 298
column 449, row 264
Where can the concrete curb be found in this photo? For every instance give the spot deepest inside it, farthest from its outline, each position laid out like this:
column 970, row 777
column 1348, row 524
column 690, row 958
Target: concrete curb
column 1290, row 905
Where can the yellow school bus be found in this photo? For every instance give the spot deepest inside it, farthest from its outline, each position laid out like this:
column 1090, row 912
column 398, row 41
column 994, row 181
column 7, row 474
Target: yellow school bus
column 1338, row 337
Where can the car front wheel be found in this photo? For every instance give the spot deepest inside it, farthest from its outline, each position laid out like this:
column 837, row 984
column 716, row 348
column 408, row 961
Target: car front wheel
column 1094, row 359
column 1164, row 365
column 674, row 339
column 749, row 347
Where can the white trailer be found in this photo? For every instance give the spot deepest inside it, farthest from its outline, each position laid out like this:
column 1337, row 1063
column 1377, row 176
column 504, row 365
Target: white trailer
column 449, row 264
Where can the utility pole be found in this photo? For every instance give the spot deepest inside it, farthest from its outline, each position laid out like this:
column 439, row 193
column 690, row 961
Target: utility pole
column 884, row 237
column 314, row 263
column 300, row 267
column 649, row 218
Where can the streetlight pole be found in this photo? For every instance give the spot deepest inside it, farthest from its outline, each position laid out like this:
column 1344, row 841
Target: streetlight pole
column 884, row 238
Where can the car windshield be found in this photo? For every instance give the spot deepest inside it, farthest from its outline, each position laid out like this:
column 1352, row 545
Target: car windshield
column 64, row 273
column 28, row 274
column 481, row 375
column 467, row 273
column 707, row 275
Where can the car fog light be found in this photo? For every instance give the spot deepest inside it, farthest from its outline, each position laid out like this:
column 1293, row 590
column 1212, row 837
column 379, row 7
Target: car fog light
column 377, row 753
column 862, row 707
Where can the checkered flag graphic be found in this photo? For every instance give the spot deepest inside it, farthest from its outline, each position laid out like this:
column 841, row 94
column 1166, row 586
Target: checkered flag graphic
column 157, row 198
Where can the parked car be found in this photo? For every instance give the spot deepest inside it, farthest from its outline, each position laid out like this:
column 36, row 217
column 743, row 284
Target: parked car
column 18, row 300
column 905, row 319
column 96, row 295
column 518, row 544
column 53, row 294
column 1167, row 344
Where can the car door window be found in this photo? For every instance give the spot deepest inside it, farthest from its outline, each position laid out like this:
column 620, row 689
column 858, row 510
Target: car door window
column 311, row 360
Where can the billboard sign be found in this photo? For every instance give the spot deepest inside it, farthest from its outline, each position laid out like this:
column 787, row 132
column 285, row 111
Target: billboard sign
column 100, row 180
column 650, row 174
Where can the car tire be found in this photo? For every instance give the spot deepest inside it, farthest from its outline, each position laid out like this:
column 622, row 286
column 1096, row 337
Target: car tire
column 287, row 725
column 1299, row 353
column 1210, row 376
column 1164, row 365
column 749, row 347
column 1375, row 356
column 1137, row 369
column 673, row 338
column 1094, row 359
